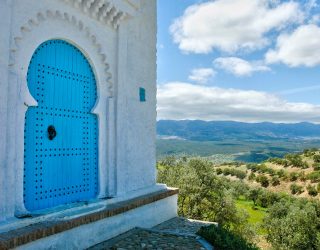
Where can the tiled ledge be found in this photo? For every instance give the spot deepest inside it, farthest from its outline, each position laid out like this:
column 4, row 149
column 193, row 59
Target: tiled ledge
column 24, row 235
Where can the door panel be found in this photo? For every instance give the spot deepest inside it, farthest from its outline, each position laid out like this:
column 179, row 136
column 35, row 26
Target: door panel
column 62, row 169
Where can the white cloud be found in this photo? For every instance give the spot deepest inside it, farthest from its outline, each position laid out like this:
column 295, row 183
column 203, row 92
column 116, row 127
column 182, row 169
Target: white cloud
column 180, row 101
column 299, row 48
column 238, row 66
column 201, row 75
column 231, row 25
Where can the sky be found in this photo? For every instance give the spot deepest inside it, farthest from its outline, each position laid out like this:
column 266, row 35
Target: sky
column 241, row 60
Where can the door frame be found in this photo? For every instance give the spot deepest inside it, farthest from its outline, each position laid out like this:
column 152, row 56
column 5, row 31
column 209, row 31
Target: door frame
column 66, row 27
column 31, row 124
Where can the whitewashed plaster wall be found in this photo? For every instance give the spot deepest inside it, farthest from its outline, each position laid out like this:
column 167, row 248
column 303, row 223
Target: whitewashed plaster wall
column 123, row 58
column 6, row 209
column 139, row 131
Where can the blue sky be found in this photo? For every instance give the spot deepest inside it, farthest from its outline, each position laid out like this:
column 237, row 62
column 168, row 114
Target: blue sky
column 216, row 62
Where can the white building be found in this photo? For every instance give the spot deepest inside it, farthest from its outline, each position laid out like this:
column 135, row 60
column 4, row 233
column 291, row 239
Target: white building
column 78, row 122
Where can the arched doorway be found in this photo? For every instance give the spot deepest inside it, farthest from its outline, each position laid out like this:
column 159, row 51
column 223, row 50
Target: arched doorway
column 61, row 133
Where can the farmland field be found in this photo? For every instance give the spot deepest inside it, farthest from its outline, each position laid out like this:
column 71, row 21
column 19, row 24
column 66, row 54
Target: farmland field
column 233, row 150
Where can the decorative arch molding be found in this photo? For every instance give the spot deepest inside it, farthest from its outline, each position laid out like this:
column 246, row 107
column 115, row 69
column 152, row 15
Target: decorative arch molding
column 71, row 20
column 45, row 26
column 105, row 11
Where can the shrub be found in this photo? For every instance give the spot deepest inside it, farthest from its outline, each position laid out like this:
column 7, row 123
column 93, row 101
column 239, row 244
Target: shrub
column 296, row 189
column 292, row 225
column 223, row 239
column 239, row 188
column 281, row 173
column 253, row 167
column 314, row 176
column 295, row 160
column 293, row 176
column 316, row 166
column 302, row 176
column 234, row 172
column 260, row 168
column 254, row 195
column 263, row 199
column 279, row 161
column 275, row 181
column 263, row 180
column 286, row 177
column 241, row 174
column 316, row 158
column 310, row 152
column 203, row 195
column 252, row 176
column 312, row 190
column 273, row 198
column 219, row 171
column 226, row 171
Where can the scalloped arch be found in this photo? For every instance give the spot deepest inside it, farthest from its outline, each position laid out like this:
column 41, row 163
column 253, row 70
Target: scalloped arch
column 71, row 19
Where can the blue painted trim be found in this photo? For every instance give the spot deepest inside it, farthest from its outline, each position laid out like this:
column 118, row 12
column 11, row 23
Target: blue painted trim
column 142, row 94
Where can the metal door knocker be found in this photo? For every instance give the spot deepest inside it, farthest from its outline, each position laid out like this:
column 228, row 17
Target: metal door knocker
column 52, row 133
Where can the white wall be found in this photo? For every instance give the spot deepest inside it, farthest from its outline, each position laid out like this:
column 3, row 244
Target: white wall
column 6, row 207
column 137, row 120
column 123, row 58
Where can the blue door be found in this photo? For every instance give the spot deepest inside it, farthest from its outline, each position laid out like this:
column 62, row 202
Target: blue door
column 60, row 138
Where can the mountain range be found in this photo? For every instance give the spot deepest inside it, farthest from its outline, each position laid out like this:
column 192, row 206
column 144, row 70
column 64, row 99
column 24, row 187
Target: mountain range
column 198, row 130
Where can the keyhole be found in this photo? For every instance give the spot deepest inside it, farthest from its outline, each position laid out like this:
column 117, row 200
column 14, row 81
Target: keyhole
column 52, row 133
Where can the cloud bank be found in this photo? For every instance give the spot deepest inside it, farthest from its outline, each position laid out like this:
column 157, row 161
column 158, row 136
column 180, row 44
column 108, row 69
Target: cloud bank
column 179, row 101
column 232, row 25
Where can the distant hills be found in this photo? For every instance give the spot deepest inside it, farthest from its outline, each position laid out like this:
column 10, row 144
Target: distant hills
column 197, row 130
